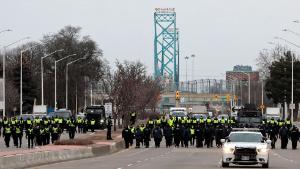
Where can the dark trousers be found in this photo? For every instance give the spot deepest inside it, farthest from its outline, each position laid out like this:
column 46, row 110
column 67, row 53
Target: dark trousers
column 176, row 141
column 137, row 143
column 7, row 139
column 284, row 142
column 294, row 144
column 92, row 128
column 108, row 134
column 19, row 140
column 126, row 143
column 47, row 137
column 71, row 134
column 273, row 143
column 146, row 143
column 54, row 137
column 30, row 139
column 168, row 141
column 208, row 142
column 192, row 140
column 15, row 139
column 157, row 142
column 199, row 142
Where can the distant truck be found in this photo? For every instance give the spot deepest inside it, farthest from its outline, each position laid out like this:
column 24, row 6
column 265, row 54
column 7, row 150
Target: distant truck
column 272, row 112
column 39, row 109
column 198, row 109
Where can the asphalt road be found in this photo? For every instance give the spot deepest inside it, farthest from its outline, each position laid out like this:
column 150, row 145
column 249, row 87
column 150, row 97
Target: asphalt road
column 173, row 158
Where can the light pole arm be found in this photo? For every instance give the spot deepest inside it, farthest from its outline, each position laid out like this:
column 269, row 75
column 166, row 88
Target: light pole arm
column 16, row 42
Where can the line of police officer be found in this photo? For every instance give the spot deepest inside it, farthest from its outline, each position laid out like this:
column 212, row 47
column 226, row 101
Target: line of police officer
column 40, row 131
column 179, row 132
column 201, row 132
column 280, row 129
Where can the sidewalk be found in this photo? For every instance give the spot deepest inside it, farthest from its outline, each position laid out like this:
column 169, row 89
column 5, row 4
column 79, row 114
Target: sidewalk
column 22, row 158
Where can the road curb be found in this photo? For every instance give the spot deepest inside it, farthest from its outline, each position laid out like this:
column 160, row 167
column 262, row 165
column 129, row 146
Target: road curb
column 47, row 157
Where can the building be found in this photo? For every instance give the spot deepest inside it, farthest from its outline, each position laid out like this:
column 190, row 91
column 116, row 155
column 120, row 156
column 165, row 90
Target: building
column 237, row 81
column 241, row 73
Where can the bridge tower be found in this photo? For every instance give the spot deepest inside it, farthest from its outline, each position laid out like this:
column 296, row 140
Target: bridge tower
column 166, row 60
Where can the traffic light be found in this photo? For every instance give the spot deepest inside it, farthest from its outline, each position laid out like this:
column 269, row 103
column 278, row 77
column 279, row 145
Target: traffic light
column 177, row 95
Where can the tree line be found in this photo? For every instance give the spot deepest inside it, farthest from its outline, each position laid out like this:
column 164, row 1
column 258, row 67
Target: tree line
column 275, row 66
column 129, row 87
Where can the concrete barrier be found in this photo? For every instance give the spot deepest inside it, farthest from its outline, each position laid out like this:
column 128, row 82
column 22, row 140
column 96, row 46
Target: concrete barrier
column 47, row 157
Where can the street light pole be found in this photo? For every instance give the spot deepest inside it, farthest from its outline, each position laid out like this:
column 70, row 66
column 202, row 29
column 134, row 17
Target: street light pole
column 186, row 81
column 4, row 65
column 193, row 57
column 21, row 77
column 67, row 79
column 42, row 73
column 249, row 86
column 55, row 87
column 292, row 97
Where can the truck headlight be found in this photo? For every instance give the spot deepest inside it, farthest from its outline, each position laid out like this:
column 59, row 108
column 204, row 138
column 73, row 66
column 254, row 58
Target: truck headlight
column 228, row 150
column 262, row 150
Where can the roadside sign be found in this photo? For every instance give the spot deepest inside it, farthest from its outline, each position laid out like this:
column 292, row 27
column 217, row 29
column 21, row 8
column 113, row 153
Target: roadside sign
column 108, row 109
column 292, row 106
column 182, row 100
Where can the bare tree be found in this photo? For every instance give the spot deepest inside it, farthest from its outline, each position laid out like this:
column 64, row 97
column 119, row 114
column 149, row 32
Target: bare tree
column 266, row 57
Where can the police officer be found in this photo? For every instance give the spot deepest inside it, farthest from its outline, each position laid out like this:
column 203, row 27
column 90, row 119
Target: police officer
column 132, row 130
column 294, row 135
column 19, row 135
column 151, row 124
column 192, row 135
column 55, row 132
column 29, row 136
column 157, row 135
column 199, row 136
column 138, row 137
column 186, row 136
column 147, row 136
column 126, row 134
column 167, row 131
column 92, row 125
column 109, row 124
column 71, row 129
column 273, row 136
column 79, row 122
column 208, row 136
column 47, row 134
column 132, row 117
column 283, row 134
column 219, row 135
column 7, row 134
column 177, row 135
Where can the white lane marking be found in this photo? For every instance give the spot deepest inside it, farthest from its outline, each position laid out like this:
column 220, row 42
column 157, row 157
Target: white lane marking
column 119, row 168
column 146, row 159
column 139, row 161
column 130, row 165
column 92, row 134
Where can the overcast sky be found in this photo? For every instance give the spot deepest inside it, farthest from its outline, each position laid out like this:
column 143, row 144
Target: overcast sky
column 221, row 33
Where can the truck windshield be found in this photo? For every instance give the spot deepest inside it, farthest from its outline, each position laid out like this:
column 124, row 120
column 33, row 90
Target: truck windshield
column 245, row 137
